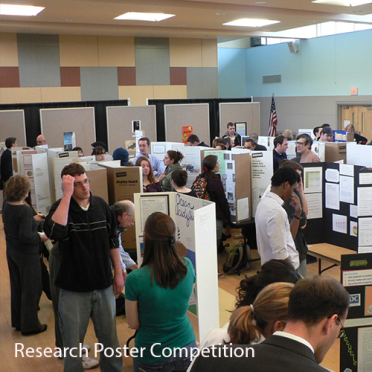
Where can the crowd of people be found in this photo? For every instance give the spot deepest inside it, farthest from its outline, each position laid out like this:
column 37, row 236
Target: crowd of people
column 286, row 319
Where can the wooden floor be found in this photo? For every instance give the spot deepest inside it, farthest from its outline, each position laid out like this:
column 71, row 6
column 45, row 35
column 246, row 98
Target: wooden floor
column 9, row 337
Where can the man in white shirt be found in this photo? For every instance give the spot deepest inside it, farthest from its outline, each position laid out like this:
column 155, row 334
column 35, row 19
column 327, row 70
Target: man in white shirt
column 274, row 238
column 317, row 311
column 158, row 166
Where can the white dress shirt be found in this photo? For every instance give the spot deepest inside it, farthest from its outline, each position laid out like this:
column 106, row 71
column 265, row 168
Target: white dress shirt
column 157, row 165
column 274, row 238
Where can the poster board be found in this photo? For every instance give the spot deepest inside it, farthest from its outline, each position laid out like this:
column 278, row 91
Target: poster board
column 98, row 183
column 195, row 221
column 355, row 347
column 266, row 141
column 81, row 120
column 120, row 125
column 238, row 112
column 178, row 116
column 359, row 154
column 12, row 124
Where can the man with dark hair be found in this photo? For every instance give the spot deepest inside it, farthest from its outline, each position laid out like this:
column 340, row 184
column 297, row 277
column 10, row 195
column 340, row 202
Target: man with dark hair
column 85, row 228
column 250, row 144
column 273, row 232
column 326, row 135
column 157, row 165
column 279, row 152
column 317, row 310
column 6, row 160
column 235, row 138
column 193, row 140
column 125, row 218
column 303, row 148
column 360, row 140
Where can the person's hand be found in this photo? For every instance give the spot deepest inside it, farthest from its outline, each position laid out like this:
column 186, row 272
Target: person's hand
column 118, row 283
column 295, row 202
column 43, row 237
column 39, row 218
column 300, row 186
column 68, row 185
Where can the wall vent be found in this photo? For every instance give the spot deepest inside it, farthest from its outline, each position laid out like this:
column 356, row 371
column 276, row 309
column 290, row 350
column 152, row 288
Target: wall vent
column 270, row 79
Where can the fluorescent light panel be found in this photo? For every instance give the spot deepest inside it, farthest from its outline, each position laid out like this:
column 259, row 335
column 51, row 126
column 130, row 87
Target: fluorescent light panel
column 342, row 2
column 251, row 22
column 20, row 10
column 150, row 17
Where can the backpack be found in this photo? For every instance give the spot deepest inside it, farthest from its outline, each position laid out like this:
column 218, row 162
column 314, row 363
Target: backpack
column 237, row 259
column 200, row 188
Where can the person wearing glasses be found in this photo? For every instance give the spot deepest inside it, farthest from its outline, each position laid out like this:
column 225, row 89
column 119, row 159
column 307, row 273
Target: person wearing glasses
column 84, row 227
column 303, row 148
column 317, row 311
column 125, row 218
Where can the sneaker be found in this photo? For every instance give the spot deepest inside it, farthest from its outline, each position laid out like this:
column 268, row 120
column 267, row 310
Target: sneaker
column 221, row 275
column 89, row 363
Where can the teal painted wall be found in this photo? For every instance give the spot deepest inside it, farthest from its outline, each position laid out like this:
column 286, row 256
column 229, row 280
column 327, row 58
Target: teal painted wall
column 232, row 73
column 325, row 66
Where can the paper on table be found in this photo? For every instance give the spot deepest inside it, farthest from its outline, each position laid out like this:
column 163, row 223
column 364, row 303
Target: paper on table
column 364, row 201
column 347, row 170
column 365, row 231
column 313, row 180
column 332, row 196
column 339, row 223
column 243, row 208
column 314, row 205
column 347, row 189
column 332, row 175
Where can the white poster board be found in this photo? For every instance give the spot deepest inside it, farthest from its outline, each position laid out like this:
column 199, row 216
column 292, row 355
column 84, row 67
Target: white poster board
column 262, row 171
column 41, row 182
column 268, row 142
column 358, row 154
column 195, row 221
column 318, row 148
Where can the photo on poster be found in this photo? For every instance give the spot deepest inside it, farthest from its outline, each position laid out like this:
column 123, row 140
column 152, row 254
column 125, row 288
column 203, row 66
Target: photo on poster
column 226, row 156
column 136, row 125
column 353, row 228
column 313, row 180
column 229, row 166
column 159, row 149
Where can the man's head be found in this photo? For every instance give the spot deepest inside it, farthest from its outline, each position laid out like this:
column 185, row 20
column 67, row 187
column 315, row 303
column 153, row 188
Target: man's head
column 350, row 128
column 99, row 143
column 254, row 136
column 318, row 308
column 231, row 128
column 287, row 133
column 280, row 144
column 144, row 146
column 284, row 181
column 124, row 212
column 303, row 143
column 11, row 142
column 81, row 185
column 40, row 140
column 250, row 144
column 326, row 134
column 193, row 140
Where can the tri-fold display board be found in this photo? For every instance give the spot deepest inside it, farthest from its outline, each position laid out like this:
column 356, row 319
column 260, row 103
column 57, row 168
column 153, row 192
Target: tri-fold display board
column 339, row 198
column 195, row 221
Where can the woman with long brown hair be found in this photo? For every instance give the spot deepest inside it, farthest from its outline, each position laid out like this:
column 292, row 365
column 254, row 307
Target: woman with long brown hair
column 157, row 299
column 149, row 181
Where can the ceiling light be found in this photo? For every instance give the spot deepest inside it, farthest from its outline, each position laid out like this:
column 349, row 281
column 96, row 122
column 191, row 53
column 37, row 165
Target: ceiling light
column 250, row 22
column 342, row 2
column 20, row 10
column 150, row 17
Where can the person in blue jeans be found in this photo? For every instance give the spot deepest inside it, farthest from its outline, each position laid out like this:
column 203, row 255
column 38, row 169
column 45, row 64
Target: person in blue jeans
column 85, row 228
column 157, row 299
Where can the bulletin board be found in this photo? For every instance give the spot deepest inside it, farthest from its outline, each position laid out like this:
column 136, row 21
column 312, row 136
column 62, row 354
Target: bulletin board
column 248, row 112
column 54, row 122
column 12, row 124
column 178, row 116
column 119, row 124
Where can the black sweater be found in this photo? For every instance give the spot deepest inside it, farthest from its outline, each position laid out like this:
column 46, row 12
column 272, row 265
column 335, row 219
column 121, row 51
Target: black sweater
column 85, row 245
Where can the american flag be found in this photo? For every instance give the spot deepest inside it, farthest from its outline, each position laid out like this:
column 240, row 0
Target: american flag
column 273, row 120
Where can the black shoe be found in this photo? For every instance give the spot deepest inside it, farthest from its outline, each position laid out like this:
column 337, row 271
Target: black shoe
column 310, row 259
column 42, row 329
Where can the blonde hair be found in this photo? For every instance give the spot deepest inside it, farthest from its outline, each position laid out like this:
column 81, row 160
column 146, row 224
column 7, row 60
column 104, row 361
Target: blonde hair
column 248, row 323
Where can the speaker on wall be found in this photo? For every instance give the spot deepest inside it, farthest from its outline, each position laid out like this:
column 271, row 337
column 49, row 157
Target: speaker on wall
column 293, row 47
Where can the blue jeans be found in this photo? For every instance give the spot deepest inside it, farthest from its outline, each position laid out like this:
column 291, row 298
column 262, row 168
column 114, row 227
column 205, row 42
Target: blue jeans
column 172, row 364
column 75, row 309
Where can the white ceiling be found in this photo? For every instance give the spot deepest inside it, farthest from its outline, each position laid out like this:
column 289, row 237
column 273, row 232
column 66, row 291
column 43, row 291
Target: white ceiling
column 194, row 18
